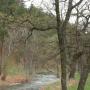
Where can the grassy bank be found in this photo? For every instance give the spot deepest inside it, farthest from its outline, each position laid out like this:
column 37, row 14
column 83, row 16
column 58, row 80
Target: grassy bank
column 71, row 86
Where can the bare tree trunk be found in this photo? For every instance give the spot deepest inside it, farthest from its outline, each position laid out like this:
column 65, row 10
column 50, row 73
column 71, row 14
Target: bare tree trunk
column 74, row 61
column 61, row 39
column 72, row 71
column 73, row 64
column 83, row 78
column 61, row 31
column 84, row 72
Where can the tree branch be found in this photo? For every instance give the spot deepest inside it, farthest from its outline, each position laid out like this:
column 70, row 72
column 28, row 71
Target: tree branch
column 78, row 3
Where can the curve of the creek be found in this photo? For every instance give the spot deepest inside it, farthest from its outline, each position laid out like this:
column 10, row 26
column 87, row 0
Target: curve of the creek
column 37, row 82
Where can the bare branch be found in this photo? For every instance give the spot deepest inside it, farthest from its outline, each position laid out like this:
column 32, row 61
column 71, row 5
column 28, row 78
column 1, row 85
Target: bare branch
column 29, row 35
column 44, row 29
column 78, row 3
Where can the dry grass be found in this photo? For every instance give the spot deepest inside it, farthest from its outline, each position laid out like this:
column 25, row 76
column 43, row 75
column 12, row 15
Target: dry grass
column 12, row 80
column 56, row 86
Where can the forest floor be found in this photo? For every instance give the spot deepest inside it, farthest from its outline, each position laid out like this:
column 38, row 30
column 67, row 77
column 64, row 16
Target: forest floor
column 18, row 79
column 56, row 86
column 72, row 84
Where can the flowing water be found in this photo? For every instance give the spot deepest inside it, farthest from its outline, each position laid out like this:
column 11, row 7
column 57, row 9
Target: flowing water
column 37, row 82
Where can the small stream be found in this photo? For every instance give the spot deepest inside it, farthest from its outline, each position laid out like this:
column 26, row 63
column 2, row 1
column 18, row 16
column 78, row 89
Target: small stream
column 37, row 82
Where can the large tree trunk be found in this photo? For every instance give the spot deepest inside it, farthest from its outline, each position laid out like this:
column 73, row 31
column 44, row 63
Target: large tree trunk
column 62, row 49
column 61, row 31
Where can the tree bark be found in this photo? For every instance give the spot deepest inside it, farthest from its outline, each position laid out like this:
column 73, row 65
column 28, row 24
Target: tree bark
column 84, row 73
column 61, row 31
column 61, row 38
column 76, row 56
column 72, row 71
column 83, row 78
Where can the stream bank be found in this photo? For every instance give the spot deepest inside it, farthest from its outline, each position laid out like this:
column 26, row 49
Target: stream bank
column 37, row 82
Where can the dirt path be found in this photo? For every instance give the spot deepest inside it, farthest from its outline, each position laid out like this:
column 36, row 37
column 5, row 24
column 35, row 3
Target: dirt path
column 12, row 80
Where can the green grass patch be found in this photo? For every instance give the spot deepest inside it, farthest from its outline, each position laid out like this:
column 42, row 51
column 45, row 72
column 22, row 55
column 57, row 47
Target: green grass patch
column 56, row 86
column 87, row 86
column 15, row 70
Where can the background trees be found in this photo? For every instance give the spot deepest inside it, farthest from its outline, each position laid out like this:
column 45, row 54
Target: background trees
column 38, row 39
